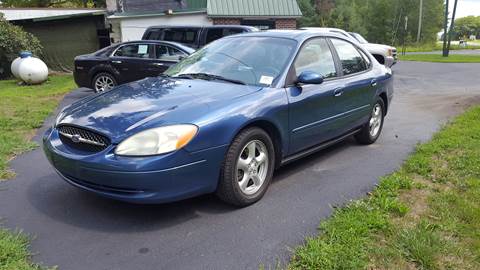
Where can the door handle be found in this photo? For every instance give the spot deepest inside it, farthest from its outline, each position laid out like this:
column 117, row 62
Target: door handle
column 116, row 62
column 338, row 92
column 158, row 64
column 373, row 83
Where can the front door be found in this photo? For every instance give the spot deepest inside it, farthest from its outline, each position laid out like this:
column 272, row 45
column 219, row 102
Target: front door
column 313, row 111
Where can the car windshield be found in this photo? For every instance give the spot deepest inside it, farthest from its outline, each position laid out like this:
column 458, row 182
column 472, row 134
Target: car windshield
column 359, row 37
column 245, row 60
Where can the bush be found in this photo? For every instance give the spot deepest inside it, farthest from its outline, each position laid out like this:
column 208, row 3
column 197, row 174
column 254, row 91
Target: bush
column 13, row 40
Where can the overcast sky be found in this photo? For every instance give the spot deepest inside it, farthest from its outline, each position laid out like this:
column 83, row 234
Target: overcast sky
column 465, row 8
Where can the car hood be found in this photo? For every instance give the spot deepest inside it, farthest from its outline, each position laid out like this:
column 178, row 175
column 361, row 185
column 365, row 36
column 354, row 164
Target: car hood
column 149, row 103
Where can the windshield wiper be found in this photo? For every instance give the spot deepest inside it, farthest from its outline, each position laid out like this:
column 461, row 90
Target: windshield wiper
column 207, row 76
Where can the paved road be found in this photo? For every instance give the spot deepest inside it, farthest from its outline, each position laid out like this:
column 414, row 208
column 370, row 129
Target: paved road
column 77, row 230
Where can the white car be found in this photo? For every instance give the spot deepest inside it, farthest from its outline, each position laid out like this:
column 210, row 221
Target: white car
column 385, row 55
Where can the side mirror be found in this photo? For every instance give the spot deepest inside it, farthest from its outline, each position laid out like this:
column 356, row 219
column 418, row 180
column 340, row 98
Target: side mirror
column 181, row 57
column 310, row 77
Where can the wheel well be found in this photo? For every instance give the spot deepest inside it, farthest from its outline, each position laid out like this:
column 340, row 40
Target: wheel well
column 379, row 58
column 383, row 96
column 274, row 134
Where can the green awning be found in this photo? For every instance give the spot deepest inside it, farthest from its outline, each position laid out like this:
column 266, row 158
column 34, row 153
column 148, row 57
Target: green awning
column 253, row 8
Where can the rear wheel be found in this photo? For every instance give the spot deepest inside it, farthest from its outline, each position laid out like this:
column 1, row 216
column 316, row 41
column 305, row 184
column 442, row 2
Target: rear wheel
column 372, row 129
column 247, row 169
column 103, row 82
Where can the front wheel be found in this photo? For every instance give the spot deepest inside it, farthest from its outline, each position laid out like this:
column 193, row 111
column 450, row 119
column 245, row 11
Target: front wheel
column 372, row 129
column 247, row 169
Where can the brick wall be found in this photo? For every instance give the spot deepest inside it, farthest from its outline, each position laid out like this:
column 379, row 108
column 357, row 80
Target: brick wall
column 279, row 23
column 226, row 21
column 285, row 24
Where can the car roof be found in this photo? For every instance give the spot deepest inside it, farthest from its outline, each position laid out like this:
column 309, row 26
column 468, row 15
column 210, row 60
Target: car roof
column 174, row 44
column 298, row 35
column 204, row 26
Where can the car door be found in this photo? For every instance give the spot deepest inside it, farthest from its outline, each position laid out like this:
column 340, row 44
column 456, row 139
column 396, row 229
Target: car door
column 353, row 102
column 167, row 56
column 134, row 61
column 312, row 112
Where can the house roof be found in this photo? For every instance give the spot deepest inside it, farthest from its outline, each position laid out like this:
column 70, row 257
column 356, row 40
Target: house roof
column 228, row 8
column 39, row 14
column 253, row 8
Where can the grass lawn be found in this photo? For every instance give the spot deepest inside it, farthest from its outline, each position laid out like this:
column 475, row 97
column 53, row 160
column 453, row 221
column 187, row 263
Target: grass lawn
column 22, row 110
column 452, row 58
column 426, row 215
column 472, row 45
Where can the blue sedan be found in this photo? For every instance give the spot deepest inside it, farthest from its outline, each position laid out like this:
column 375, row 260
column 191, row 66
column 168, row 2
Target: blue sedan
column 223, row 119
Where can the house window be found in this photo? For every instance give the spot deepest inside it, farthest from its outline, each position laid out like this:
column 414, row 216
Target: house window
column 260, row 24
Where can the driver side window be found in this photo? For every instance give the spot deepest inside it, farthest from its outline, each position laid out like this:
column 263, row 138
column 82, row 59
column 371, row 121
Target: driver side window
column 315, row 55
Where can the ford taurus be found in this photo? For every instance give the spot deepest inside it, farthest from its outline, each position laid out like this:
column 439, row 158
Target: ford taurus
column 223, row 119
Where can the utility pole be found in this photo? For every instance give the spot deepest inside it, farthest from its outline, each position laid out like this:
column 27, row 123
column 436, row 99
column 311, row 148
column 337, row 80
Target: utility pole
column 445, row 25
column 420, row 16
column 452, row 25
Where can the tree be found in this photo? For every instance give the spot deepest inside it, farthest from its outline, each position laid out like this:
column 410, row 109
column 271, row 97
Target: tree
column 310, row 16
column 467, row 26
column 13, row 40
column 378, row 20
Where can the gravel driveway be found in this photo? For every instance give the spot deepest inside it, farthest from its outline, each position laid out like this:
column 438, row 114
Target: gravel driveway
column 77, row 230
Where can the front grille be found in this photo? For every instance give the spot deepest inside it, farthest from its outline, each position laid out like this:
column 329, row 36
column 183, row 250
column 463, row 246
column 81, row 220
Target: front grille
column 82, row 139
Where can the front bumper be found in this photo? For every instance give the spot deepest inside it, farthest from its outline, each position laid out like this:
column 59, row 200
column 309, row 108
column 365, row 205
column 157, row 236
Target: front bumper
column 158, row 179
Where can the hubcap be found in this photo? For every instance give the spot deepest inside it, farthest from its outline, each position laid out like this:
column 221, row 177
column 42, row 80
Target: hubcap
column 252, row 167
column 376, row 120
column 104, row 83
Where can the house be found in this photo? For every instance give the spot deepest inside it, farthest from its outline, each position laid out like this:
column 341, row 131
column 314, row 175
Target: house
column 63, row 32
column 130, row 18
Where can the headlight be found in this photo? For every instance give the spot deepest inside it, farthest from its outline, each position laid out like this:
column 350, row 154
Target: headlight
column 390, row 52
column 157, row 141
column 58, row 118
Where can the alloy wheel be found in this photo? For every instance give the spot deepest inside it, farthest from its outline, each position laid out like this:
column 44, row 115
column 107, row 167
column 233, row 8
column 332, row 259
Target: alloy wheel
column 104, row 83
column 376, row 120
column 252, row 167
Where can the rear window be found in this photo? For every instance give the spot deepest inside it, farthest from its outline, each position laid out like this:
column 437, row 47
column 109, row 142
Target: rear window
column 135, row 51
column 188, row 36
column 154, row 35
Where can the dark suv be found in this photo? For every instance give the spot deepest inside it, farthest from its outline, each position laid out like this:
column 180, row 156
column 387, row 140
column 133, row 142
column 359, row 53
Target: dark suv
column 194, row 36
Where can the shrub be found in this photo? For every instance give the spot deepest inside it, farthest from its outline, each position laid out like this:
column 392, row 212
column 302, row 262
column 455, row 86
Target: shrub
column 13, row 40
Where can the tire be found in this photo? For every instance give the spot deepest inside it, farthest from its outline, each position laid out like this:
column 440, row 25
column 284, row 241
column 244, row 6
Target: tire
column 373, row 128
column 103, row 81
column 244, row 179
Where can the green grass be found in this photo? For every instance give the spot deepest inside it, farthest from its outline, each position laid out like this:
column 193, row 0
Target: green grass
column 22, row 110
column 14, row 254
column 426, row 215
column 452, row 58
column 472, row 45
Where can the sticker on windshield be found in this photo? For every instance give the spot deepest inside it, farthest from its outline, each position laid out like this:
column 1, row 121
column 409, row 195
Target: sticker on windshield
column 266, row 80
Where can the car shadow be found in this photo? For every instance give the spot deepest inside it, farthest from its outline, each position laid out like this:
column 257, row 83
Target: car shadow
column 64, row 203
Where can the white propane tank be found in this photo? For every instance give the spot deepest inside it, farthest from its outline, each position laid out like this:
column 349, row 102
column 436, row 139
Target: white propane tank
column 14, row 67
column 32, row 70
column 16, row 63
